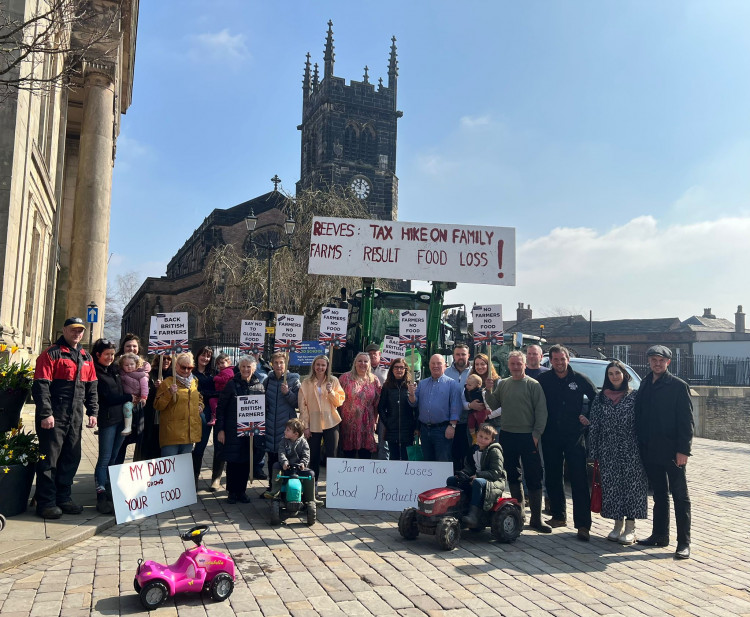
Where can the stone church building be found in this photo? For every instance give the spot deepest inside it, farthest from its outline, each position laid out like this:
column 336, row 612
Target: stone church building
column 57, row 150
column 348, row 139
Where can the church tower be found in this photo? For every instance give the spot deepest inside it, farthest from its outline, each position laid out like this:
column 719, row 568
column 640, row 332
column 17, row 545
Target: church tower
column 349, row 133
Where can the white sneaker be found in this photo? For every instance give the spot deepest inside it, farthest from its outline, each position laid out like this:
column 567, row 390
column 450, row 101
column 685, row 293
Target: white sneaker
column 614, row 535
column 628, row 535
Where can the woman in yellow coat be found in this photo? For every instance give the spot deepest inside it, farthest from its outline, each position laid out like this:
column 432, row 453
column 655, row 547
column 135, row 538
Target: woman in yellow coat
column 180, row 406
column 319, row 395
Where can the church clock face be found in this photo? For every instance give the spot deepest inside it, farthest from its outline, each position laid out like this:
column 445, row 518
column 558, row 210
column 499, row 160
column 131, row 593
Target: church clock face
column 361, row 187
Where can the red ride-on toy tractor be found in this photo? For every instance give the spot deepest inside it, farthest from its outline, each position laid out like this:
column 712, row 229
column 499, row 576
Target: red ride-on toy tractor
column 439, row 512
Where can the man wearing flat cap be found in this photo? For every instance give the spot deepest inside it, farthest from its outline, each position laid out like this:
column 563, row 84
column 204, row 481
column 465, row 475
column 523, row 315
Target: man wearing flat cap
column 64, row 381
column 664, row 425
column 378, row 369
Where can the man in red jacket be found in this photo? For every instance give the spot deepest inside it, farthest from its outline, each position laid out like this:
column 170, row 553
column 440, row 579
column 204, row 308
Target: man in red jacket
column 64, row 381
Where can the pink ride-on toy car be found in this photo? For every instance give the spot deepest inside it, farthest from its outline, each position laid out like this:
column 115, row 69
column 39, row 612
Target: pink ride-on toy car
column 439, row 511
column 197, row 569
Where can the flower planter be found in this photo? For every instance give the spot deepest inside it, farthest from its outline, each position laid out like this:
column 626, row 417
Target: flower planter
column 15, row 488
column 11, row 404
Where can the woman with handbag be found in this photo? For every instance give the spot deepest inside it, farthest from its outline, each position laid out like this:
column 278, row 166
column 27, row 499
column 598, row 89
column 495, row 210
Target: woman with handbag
column 398, row 417
column 613, row 444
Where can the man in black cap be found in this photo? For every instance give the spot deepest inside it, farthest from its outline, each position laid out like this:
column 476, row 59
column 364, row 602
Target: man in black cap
column 664, row 425
column 64, row 380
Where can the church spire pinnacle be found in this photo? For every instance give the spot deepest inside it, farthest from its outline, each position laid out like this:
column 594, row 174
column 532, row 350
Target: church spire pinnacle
column 306, row 84
column 366, row 78
column 328, row 56
column 316, row 77
column 392, row 65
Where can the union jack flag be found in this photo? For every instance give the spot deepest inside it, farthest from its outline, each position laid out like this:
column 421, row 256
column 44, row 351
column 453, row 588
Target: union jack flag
column 287, row 345
column 165, row 348
column 413, row 341
column 488, row 338
column 253, row 348
column 256, row 428
column 337, row 340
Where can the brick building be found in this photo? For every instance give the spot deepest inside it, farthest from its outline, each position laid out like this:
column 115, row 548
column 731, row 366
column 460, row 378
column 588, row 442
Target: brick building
column 348, row 140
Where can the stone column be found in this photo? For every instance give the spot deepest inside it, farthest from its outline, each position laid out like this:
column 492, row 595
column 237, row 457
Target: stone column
column 90, row 245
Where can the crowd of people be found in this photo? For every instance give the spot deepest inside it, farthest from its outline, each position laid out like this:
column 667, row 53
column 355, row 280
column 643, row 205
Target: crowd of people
column 523, row 431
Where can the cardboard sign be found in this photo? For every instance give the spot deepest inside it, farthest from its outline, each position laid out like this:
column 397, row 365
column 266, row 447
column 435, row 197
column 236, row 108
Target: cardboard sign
column 150, row 487
column 488, row 323
column 251, row 415
column 391, row 349
column 333, row 322
column 289, row 327
column 252, row 335
column 358, row 484
column 413, row 328
column 168, row 334
column 427, row 251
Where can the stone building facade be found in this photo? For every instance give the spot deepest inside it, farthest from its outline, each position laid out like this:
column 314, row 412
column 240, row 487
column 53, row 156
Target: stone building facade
column 184, row 287
column 57, row 150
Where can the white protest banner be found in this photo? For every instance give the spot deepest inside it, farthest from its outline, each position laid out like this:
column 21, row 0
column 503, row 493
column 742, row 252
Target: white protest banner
column 251, row 415
column 288, row 332
column 392, row 349
column 381, row 485
column 427, row 251
column 333, row 322
column 169, row 333
column 252, row 335
column 413, row 328
column 488, row 323
column 150, row 487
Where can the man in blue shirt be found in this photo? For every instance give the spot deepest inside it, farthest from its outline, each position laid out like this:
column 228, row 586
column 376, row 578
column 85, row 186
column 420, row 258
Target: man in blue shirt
column 438, row 399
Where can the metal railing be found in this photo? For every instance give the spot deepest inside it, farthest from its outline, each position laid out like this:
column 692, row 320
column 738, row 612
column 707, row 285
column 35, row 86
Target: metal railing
column 699, row 370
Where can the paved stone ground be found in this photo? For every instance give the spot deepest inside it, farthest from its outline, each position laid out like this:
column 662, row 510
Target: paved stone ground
column 355, row 563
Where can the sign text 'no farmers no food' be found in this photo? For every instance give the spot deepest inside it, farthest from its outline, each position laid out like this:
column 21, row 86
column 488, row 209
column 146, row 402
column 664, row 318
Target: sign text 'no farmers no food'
column 425, row 251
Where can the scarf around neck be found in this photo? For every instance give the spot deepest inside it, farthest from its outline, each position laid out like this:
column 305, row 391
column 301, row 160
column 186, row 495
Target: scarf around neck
column 615, row 395
column 185, row 381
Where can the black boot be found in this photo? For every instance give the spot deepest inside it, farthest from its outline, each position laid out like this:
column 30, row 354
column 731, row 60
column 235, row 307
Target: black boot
column 103, row 506
column 516, row 491
column 535, row 505
column 472, row 519
column 216, row 472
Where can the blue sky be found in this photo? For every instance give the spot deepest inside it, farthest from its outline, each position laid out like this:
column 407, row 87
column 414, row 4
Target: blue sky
column 614, row 136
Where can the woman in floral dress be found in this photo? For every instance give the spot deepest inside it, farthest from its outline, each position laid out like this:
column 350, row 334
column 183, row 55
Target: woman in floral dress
column 612, row 442
column 359, row 413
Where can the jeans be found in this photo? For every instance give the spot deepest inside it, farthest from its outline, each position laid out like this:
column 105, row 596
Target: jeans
column 180, row 448
column 200, row 447
column 331, row 438
column 110, row 440
column 435, row 445
column 460, row 446
column 520, row 447
column 478, row 488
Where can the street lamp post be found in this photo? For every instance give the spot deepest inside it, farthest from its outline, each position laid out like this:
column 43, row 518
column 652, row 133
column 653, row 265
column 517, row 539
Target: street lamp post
column 251, row 221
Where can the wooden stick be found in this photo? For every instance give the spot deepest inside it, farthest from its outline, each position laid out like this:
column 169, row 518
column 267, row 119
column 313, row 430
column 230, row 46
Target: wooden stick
column 251, row 457
column 161, row 362
column 174, row 375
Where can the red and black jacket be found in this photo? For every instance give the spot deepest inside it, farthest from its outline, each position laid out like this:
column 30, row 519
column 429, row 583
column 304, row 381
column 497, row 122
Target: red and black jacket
column 64, row 380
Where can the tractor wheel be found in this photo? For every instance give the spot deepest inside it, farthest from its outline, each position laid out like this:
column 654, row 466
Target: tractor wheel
column 153, row 594
column 136, row 585
column 507, row 523
column 2, row 522
column 275, row 513
column 312, row 513
column 407, row 524
column 448, row 533
column 221, row 587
